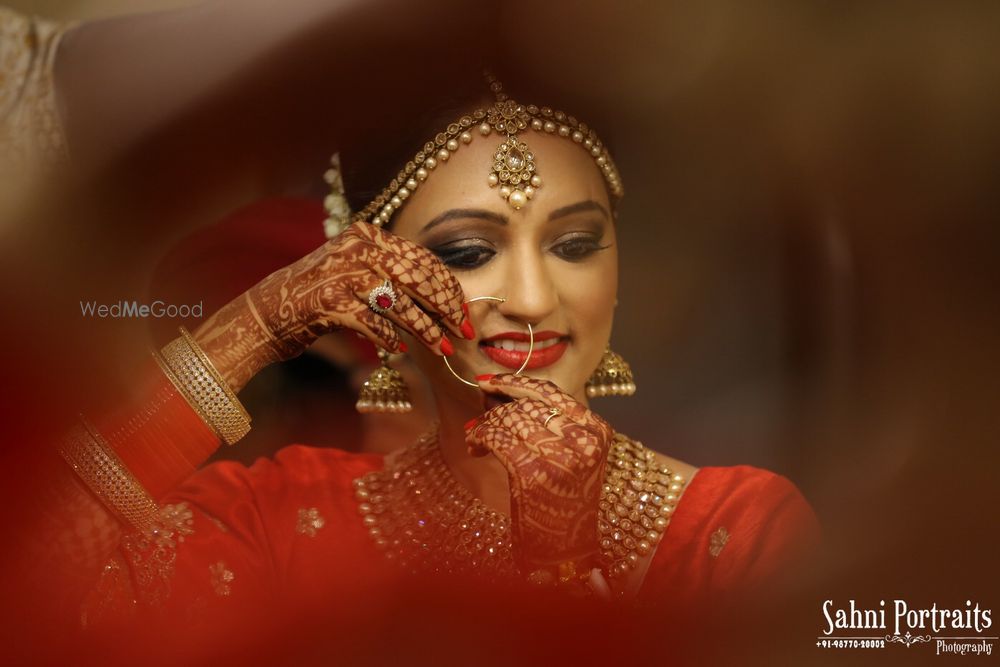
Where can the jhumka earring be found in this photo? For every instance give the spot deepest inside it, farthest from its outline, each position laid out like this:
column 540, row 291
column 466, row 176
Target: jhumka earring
column 384, row 390
column 613, row 377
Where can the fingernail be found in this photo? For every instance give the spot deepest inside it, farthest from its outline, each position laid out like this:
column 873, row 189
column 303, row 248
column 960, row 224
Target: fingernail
column 467, row 330
column 403, row 347
column 486, row 377
column 466, row 327
column 447, row 349
column 469, row 424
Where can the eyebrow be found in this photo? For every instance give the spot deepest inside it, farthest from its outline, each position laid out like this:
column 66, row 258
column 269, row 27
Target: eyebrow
column 496, row 218
column 579, row 207
column 454, row 213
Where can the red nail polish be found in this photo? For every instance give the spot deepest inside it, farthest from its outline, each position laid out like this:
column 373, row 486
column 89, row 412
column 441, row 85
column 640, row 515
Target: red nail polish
column 447, row 349
column 403, row 347
column 469, row 424
column 485, row 377
column 467, row 330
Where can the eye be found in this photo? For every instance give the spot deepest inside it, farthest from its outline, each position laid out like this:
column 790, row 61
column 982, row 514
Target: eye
column 464, row 255
column 578, row 248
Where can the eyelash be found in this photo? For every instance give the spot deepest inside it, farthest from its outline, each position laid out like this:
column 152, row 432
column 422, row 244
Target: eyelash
column 468, row 257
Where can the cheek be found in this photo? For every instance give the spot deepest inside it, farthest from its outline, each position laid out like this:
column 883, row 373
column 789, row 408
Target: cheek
column 588, row 296
column 485, row 281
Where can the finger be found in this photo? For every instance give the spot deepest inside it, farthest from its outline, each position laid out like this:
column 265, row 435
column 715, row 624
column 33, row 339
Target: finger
column 406, row 315
column 487, row 437
column 500, row 417
column 422, row 275
column 376, row 328
column 410, row 267
column 528, row 420
column 571, row 411
column 473, row 444
column 522, row 386
column 524, row 417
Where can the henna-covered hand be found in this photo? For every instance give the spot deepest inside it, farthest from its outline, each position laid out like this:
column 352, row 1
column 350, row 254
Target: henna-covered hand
column 556, row 469
column 328, row 289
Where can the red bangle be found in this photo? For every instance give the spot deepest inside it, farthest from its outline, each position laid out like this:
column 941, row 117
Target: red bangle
column 158, row 436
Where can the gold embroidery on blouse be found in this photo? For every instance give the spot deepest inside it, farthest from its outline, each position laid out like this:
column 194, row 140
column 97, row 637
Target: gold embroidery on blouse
column 153, row 551
column 310, row 521
column 717, row 540
column 217, row 522
column 221, row 578
column 112, row 590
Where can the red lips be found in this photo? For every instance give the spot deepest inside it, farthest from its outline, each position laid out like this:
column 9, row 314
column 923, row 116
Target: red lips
column 513, row 359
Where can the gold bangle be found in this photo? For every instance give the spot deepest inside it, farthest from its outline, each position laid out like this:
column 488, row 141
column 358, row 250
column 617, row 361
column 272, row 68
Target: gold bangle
column 96, row 463
column 210, row 367
column 193, row 375
column 174, row 380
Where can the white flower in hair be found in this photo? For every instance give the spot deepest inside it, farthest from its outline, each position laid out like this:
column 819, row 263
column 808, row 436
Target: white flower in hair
column 338, row 211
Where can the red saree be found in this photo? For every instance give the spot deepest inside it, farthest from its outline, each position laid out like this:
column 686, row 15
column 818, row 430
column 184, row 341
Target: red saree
column 289, row 530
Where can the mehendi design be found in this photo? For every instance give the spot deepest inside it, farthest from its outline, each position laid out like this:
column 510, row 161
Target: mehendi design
column 328, row 289
column 556, row 470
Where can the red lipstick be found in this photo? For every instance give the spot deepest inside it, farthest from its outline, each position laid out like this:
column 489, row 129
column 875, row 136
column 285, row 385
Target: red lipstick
column 540, row 356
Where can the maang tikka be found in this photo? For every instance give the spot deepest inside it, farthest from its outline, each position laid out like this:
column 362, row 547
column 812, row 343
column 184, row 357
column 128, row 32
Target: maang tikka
column 513, row 172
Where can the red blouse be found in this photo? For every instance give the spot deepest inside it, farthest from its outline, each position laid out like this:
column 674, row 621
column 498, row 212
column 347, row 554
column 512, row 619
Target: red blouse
column 289, row 529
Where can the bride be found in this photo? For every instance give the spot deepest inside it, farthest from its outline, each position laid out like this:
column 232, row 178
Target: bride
column 488, row 255
column 491, row 259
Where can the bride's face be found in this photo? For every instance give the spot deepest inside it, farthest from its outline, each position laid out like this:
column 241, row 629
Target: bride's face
column 554, row 261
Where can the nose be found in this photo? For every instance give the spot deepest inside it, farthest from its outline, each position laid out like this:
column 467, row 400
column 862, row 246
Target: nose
column 529, row 289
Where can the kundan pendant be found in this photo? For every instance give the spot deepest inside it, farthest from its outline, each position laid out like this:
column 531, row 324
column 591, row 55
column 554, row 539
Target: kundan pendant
column 514, row 172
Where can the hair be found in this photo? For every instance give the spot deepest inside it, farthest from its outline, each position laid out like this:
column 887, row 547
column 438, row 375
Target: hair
column 369, row 165
column 374, row 158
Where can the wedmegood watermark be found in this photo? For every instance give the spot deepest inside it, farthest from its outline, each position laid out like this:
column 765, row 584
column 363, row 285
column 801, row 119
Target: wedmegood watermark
column 135, row 310
column 959, row 629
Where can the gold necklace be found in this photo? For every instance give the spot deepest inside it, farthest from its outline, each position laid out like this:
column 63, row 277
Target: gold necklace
column 421, row 517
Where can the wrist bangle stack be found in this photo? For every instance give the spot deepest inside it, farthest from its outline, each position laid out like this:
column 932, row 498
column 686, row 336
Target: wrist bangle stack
column 200, row 383
column 96, row 463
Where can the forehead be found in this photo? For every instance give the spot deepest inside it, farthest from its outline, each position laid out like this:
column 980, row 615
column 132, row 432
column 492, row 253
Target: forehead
column 568, row 172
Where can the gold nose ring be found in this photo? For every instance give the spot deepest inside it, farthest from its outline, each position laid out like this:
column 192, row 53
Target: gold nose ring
column 531, row 344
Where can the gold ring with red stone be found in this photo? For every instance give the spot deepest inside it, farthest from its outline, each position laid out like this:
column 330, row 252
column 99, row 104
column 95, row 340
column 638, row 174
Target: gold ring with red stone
column 382, row 298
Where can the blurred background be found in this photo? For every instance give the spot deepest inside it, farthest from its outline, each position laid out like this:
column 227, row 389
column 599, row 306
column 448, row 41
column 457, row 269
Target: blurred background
column 78, row 11
column 809, row 241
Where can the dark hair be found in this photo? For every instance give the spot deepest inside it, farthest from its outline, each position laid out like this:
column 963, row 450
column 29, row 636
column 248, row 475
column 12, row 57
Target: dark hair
column 371, row 162
column 373, row 158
